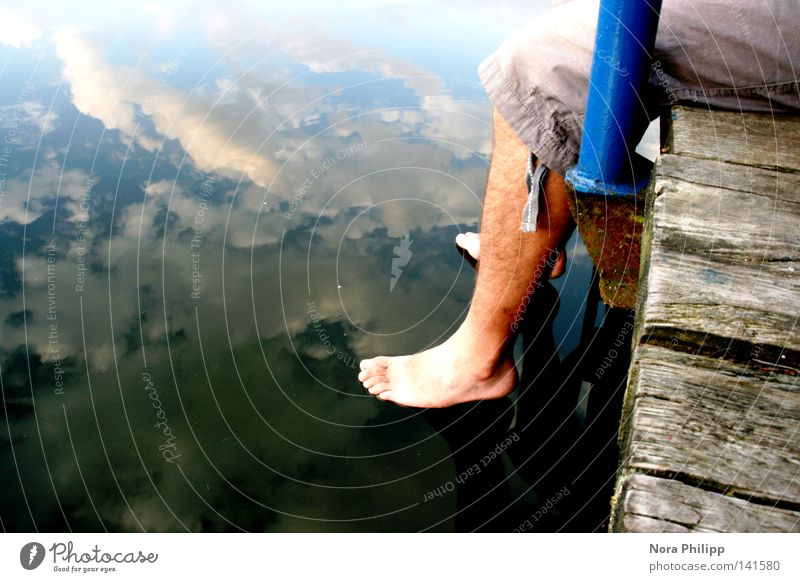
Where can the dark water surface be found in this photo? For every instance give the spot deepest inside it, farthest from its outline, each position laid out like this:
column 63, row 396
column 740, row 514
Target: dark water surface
column 200, row 209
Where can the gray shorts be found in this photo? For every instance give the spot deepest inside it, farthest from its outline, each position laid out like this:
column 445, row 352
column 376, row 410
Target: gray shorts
column 733, row 55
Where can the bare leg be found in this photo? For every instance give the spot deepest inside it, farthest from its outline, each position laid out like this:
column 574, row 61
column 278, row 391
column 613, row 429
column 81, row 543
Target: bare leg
column 470, row 242
column 476, row 363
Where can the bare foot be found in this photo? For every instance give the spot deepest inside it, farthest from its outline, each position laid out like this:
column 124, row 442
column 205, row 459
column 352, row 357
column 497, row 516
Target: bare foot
column 470, row 243
column 459, row 370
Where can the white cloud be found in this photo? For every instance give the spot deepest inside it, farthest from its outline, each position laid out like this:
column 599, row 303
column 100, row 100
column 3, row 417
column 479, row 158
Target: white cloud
column 19, row 29
column 36, row 114
column 459, row 122
column 27, row 199
column 214, row 135
column 322, row 53
column 161, row 18
column 98, row 89
column 316, row 49
column 29, row 120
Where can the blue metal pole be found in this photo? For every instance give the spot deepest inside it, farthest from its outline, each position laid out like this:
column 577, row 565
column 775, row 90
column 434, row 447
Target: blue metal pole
column 626, row 31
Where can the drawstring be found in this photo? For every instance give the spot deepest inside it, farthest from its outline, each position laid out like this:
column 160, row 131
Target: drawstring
column 535, row 183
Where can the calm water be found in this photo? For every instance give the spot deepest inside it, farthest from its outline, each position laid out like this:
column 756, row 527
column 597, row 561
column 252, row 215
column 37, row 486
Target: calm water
column 200, row 206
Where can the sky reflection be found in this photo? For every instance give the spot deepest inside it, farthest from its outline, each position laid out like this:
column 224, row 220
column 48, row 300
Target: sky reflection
column 200, row 205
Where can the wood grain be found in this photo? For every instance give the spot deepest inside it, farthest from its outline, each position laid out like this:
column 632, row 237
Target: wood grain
column 710, row 433
column 724, row 426
column 656, row 505
column 751, row 139
column 723, row 263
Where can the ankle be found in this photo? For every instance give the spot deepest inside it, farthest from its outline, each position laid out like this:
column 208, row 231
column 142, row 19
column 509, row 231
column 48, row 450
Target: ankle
column 485, row 354
column 484, row 371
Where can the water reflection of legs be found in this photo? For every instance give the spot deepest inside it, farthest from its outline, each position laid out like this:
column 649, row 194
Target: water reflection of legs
column 540, row 445
column 570, row 460
column 474, row 433
column 608, row 360
column 546, row 418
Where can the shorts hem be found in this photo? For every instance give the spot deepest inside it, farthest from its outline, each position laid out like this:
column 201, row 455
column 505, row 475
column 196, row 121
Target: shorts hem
column 530, row 119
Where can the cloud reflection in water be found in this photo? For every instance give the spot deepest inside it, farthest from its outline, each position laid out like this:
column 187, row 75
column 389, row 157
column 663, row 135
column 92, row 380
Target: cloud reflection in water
column 192, row 200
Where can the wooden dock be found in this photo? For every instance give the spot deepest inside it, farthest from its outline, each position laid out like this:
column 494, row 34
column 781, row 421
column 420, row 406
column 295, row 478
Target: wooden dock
column 710, row 437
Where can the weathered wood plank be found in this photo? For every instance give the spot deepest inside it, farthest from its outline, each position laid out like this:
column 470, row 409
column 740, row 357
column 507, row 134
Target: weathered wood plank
column 754, row 139
column 711, row 420
column 723, row 263
column 653, row 504
column 769, row 183
column 719, row 424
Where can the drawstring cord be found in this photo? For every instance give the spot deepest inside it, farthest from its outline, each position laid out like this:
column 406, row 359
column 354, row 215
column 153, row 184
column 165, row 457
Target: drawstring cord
column 535, row 183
